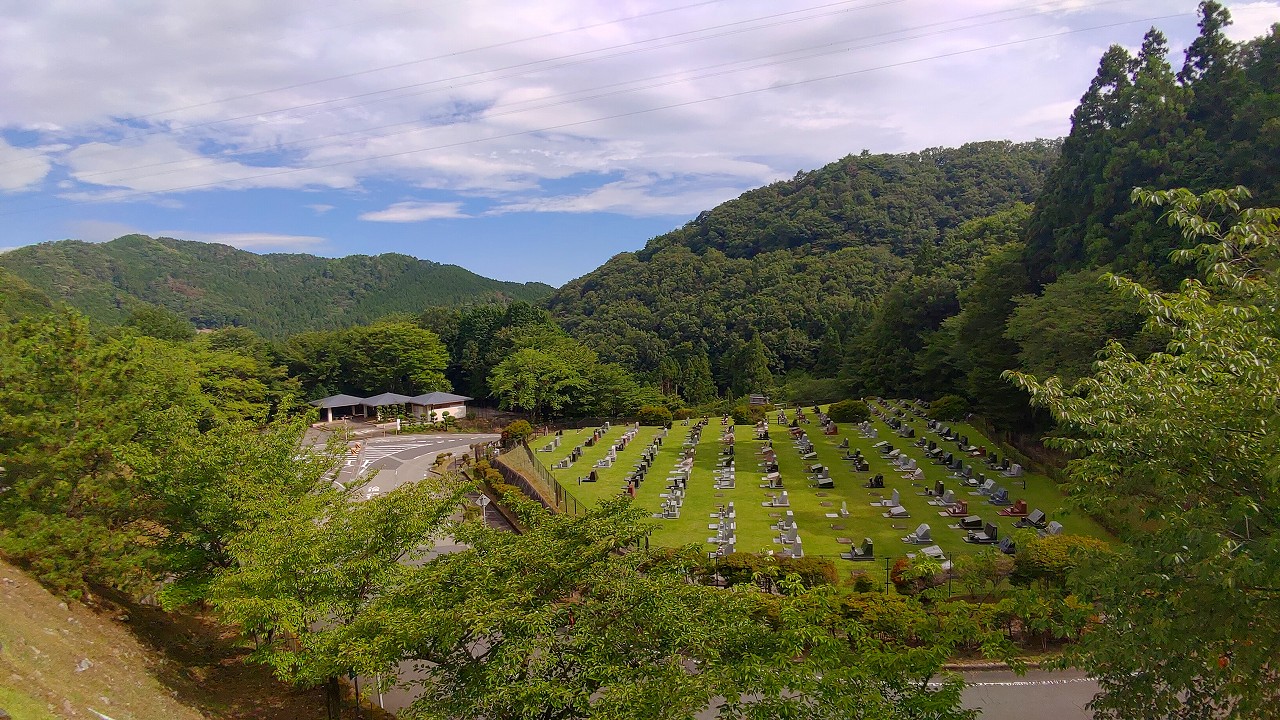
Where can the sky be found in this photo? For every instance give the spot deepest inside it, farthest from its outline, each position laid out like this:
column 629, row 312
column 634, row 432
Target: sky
column 526, row 141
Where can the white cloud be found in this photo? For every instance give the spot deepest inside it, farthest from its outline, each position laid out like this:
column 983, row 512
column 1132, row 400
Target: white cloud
column 1249, row 20
column 411, row 211
column 634, row 197
column 252, row 241
column 320, row 208
column 100, row 230
column 499, row 98
column 22, row 168
column 104, row 230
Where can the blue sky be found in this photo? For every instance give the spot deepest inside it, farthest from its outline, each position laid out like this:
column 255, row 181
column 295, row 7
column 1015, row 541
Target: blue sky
column 524, row 141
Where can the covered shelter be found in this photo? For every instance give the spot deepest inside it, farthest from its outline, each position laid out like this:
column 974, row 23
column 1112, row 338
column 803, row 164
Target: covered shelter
column 336, row 407
column 384, row 400
column 434, row 405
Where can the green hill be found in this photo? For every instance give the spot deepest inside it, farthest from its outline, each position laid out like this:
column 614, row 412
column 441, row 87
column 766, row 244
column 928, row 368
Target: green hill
column 217, row 285
column 797, row 261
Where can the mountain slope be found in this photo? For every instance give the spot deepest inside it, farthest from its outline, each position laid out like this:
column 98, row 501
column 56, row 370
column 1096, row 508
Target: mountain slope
column 798, row 263
column 217, row 285
column 19, row 298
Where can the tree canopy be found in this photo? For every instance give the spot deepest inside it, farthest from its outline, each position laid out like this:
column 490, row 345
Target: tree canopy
column 1186, row 438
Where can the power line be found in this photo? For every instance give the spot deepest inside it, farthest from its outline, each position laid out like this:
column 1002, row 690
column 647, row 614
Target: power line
column 664, row 80
column 433, row 58
column 579, row 123
column 169, row 129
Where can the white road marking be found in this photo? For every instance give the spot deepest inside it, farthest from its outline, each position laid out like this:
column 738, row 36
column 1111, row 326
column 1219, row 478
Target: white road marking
column 1023, row 683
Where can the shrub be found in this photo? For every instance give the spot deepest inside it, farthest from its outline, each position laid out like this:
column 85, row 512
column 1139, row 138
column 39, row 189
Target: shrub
column 808, row 391
column 1050, row 559
column 847, row 411
column 518, row 431
column 739, row 568
column 654, row 415
column 949, row 407
column 747, row 414
column 683, row 414
column 861, row 581
column 813, row 571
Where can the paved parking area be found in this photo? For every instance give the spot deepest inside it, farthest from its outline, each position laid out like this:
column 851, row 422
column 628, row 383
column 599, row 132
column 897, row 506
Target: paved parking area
column 403, row 458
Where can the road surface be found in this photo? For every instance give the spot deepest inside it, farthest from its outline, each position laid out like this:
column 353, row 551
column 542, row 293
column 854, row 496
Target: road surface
column 399, row 459
column 1002, row 695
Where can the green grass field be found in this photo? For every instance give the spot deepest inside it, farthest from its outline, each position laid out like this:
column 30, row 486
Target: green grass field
column 810, row 505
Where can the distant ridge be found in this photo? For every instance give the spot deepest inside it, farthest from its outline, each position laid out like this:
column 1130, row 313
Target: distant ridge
column 218, row 285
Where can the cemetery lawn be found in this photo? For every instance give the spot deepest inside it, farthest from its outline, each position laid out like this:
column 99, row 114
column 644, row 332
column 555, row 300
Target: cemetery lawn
column 821, row 535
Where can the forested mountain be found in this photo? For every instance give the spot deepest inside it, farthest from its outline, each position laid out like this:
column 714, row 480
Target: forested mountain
column 218, row 286
column 925, row 273
column 799, row 263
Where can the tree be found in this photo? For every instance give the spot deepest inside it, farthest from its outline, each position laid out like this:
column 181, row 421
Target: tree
column 653, row 415
column 157, row 322
column 76, row 412
column 699, row 386
column 949, row 407
column 560, row 622
column 210, row 487
column 1187, row 438
column 314, row 563
column 395, row 357
column 753, row 368
column 1061, row 331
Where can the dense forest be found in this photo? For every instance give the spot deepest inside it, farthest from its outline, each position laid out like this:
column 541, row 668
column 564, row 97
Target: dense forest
column 219, row 286
column 799, row 264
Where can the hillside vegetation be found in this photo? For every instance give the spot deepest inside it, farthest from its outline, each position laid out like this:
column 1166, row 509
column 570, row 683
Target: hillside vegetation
column 797, row 262
column 18, row 298
column 219, row 286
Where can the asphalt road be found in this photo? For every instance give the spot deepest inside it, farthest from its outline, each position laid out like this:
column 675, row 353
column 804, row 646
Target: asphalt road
column 1002, row 695
column 398, row 459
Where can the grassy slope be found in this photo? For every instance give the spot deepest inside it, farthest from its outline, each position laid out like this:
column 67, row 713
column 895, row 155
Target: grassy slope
column 44, row 644
column 754, row 533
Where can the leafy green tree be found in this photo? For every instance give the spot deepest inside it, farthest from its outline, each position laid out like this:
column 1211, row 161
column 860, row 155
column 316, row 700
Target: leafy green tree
column 1062, row 331
column 978, row 348
column 699, row 386
column 753, row 368
column 396, row 357
column 209, row 487
column 653, row 415
column 517, row 432
column 1187, row 438
column 558, row 622
column 160, row 323
column 830, row 354
column 949, row 407
column 314, row 564
column 74, row 410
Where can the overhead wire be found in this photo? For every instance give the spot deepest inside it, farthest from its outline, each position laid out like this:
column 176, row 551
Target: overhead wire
column 578, row 123
column 167, row 129
column 677, row 77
